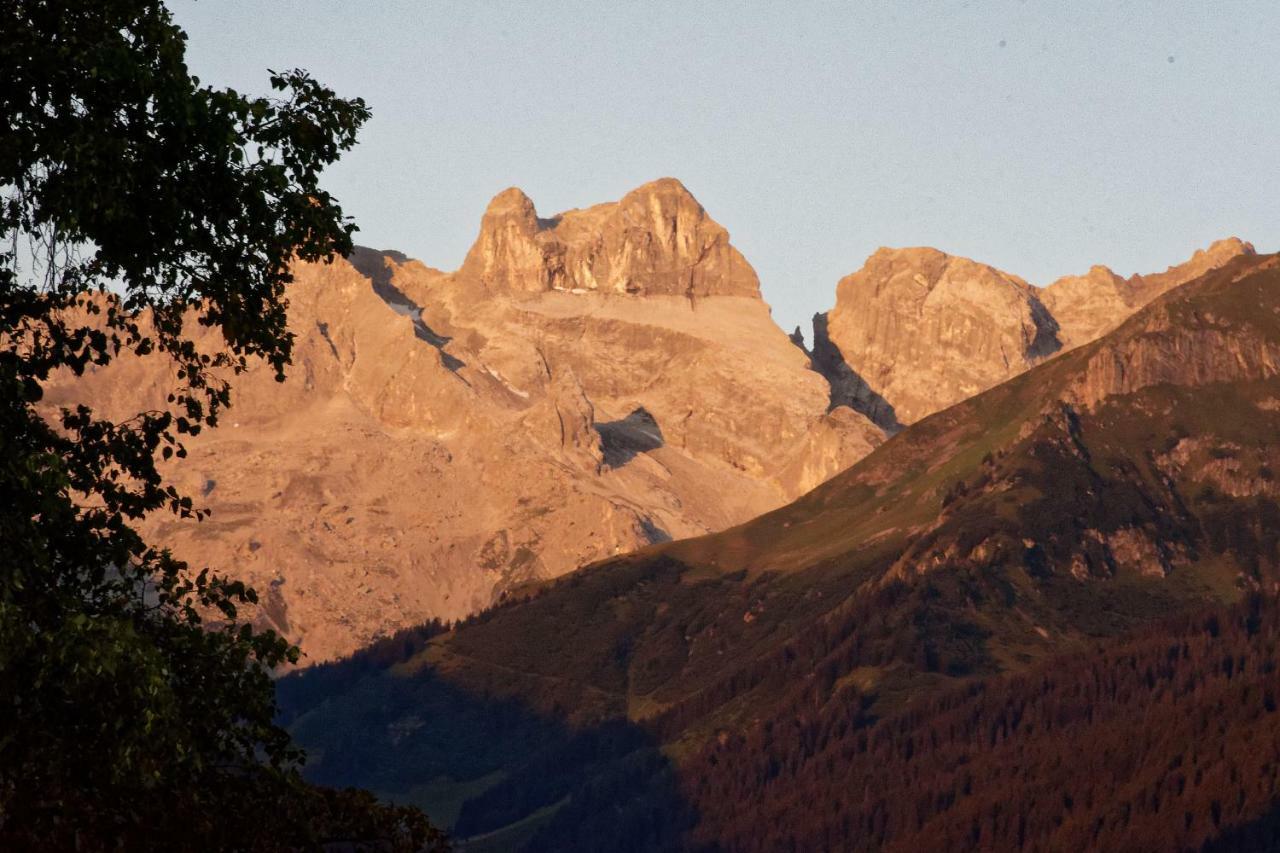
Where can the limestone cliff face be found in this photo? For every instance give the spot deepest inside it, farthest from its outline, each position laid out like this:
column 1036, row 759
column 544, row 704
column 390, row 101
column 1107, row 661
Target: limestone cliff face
column 656, row 241
column 582, row 386
column 923, row 330
column 1087, row 306
column 916, row 330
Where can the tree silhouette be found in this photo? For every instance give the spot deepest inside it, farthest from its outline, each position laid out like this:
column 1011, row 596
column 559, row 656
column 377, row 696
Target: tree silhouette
column 135, row 202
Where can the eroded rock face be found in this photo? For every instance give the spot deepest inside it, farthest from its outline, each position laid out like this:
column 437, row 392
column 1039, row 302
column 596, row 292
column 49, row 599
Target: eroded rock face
column 656, row 240
column 582, row 386
column 916, row 330
column 922, row 330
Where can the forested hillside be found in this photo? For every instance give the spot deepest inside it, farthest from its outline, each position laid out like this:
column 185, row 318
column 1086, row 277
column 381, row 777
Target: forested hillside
column 1168, row 740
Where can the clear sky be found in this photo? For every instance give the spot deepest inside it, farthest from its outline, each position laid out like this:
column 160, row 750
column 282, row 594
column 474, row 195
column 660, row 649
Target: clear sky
column 1040, row 137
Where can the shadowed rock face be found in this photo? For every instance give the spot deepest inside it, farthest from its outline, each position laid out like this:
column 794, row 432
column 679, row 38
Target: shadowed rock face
column 583, row 386
column 621, row 440
column 847, row 387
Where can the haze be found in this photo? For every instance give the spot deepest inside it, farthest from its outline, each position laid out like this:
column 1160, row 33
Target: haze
column 1040, row 138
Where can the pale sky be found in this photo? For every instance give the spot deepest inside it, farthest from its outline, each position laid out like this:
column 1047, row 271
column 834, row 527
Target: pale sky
column 1040, row 137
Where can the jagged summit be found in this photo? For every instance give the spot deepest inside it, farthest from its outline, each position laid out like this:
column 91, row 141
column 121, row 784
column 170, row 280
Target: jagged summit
column 511, row 202
column 656, row 240
column 929, row 268
column 1090, row 305
column 515, row 202
column 670, row 189
column 1221, row 251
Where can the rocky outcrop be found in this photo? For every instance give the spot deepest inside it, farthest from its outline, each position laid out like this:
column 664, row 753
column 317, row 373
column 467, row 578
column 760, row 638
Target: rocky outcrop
column 656, row 240
column 1088, row 306
column 921, row 330
column 1173, row 343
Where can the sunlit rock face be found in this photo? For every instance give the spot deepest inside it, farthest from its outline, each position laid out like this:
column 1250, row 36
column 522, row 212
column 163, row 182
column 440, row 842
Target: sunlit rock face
column 656, row 241
column 584, row 385
column 917, row 330
column 923, row 330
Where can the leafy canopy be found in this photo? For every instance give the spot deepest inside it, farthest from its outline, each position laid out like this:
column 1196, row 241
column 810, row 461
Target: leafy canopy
column 134, row 202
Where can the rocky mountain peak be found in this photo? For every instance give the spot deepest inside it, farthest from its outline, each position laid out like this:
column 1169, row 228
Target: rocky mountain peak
column 1221, row 251
column 512, row 203
column 906, row 256
column 916, row 330
column 1218, row 254
column 670, row 189
column 657, row 240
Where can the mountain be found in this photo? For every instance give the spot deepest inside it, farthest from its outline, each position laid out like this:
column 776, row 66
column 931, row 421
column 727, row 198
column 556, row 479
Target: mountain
column 917, row 330
column 656, row 241
column 582, row 386
column 666, row 699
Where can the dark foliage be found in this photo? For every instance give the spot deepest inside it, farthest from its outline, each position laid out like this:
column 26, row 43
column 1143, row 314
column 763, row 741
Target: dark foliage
column 134, row 202
column 1161, row 740
column 298, row 693
column 1165, row 741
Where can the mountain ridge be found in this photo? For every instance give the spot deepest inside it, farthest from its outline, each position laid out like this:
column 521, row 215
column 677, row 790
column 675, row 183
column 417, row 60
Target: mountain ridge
column 1047, row 513
column 582, row 386
column 445, row 437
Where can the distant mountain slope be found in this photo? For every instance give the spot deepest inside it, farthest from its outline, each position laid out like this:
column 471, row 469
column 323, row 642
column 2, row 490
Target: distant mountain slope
column 1125, row 480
